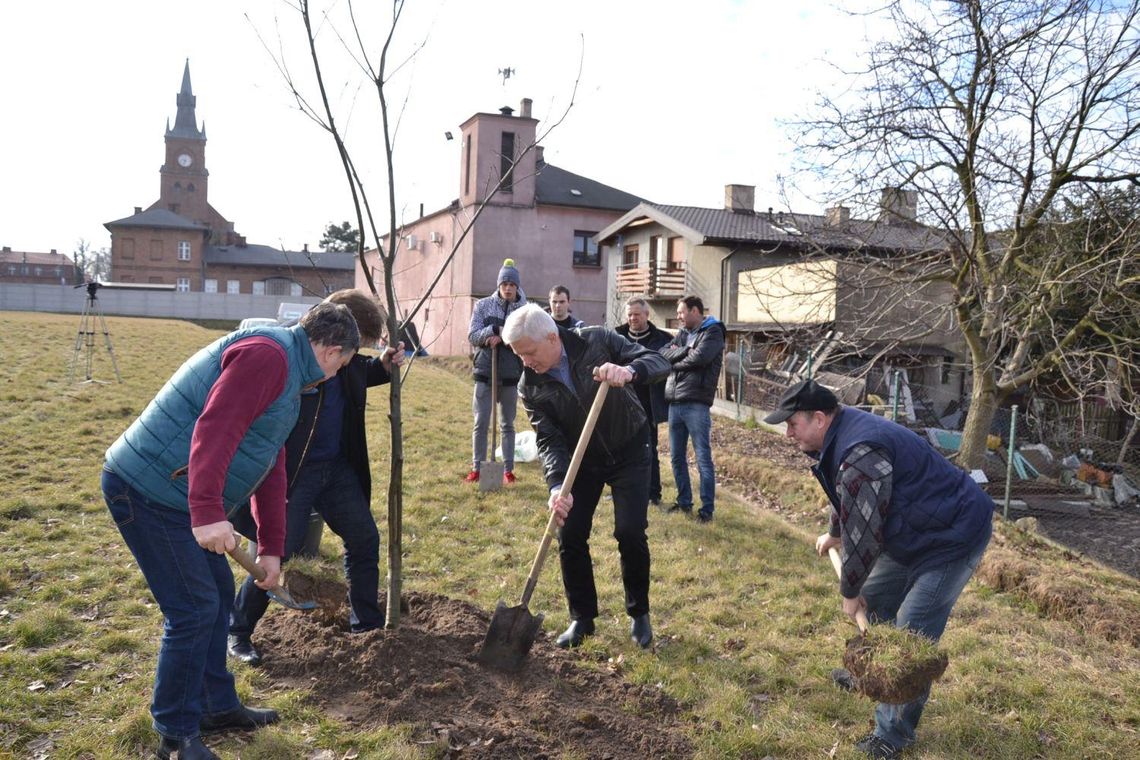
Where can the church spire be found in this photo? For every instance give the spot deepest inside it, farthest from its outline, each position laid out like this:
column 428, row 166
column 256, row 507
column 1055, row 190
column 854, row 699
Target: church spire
column 185, row 122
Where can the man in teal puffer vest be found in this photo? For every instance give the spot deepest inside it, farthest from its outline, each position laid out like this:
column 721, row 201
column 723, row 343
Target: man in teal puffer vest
column 211, row 440
column 912, row 528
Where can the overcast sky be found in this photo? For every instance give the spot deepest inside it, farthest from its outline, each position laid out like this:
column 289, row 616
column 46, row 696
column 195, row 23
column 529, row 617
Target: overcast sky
column 675, row 100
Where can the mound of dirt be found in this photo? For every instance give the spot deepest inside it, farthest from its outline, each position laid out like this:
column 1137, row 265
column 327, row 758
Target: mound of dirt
column 424, row 673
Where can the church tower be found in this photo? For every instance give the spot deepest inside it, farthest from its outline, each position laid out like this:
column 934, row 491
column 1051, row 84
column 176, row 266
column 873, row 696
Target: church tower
column 183, row 176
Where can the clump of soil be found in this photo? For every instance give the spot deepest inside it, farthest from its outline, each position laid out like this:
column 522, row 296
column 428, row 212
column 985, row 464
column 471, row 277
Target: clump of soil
column 893, row 666
column 424, row 673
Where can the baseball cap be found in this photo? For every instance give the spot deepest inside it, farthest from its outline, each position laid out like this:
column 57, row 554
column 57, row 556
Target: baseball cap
column 806, row 396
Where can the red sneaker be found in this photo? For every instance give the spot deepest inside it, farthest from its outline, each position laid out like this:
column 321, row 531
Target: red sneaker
column 472, row 477
column 509, row 478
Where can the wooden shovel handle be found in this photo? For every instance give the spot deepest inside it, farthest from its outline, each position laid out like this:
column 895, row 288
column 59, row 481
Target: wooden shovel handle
column 242, row 556
column 567, row 484
column 494, row 400
column 837, row 563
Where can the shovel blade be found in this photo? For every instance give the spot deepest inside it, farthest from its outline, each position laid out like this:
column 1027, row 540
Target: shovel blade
column 490, row 476
column 509, row 637
column 281, row 595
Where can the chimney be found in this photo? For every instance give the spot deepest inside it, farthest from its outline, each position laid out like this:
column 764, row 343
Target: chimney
column 538, row 157
column 54, row 253
column 837, row 216
column 740, row 199
column 7, row 249
column 898, row 206
column 524, row 108
column 506, row 110
column 138, row 209
column 305, row 248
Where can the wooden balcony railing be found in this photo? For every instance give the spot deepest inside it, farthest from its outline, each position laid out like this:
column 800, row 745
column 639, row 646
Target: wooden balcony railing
column 651, row 281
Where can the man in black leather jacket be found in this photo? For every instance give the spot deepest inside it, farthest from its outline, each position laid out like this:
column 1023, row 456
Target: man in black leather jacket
column 326, row 464
column 563, row 369
column 641, row 331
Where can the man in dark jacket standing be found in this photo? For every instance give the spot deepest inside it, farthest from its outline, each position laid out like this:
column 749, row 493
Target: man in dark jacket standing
column 563, row 369
column 912, row 528
column 641, row 331
column 487, row 320
column 326, row 464
column 696, row 353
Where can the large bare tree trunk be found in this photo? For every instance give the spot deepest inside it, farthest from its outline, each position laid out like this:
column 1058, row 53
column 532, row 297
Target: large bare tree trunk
column 983, row 406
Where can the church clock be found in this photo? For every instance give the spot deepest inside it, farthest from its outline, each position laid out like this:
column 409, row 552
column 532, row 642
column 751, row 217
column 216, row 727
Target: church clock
column 184, row 160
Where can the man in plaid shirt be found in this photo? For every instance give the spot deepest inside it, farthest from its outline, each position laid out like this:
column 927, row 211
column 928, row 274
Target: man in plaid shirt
column 912, row 527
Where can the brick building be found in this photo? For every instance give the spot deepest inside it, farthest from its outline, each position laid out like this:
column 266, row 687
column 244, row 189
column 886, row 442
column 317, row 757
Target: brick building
column 34, row 268
column 182, row 240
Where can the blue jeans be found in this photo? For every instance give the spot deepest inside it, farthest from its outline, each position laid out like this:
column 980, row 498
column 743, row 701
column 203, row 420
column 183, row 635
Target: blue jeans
column 921, row 602
column 194, row 589
column 692, row 420
column 332, row 490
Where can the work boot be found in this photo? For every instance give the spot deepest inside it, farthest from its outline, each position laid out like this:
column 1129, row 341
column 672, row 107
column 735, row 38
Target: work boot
column 187, row 749
column 704, row 517
column 877, row 748
column 845, row 681
column 575, row 634
column 640, row 631
column 238, row 719
column 241, row 648
column 687, row 509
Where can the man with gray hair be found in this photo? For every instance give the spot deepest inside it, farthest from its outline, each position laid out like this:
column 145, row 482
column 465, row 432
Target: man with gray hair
column 561, row 376
column 641, row 331
column 210, row 440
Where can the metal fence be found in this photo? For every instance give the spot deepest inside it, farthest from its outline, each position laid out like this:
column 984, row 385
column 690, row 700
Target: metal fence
column 1072, row 469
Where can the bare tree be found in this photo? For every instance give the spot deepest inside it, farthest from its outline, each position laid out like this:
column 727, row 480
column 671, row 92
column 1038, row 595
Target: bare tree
column 93, row 264
column 338, row 28
column 997, row 113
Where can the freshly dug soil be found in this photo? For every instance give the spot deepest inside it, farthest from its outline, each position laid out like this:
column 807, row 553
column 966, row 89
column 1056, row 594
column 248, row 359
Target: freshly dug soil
column 424, row 673
column 882, row 686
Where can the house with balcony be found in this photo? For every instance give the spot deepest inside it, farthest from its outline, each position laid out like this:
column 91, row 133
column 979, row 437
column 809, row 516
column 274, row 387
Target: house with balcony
column 542, row 216
column 789, row 284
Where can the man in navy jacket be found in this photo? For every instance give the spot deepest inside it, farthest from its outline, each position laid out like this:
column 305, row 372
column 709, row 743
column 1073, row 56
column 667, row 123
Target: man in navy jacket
column 912, row 527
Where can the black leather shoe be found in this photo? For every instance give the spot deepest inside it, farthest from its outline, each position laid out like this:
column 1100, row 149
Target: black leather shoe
column 240, row 719
column 641, row 631
column 575, row 634
column 241, row 648
column 187, row 749
column 681, row 508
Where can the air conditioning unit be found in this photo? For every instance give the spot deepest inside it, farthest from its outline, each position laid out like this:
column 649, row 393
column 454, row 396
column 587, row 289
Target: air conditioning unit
column 411, row 242
column 435, row 237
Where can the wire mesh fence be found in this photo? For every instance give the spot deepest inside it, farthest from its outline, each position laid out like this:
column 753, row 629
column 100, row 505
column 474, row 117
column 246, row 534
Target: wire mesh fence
column 1072, row 469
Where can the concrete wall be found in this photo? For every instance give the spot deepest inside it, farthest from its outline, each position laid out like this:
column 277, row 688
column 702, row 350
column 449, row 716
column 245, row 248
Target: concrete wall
column 143, row 303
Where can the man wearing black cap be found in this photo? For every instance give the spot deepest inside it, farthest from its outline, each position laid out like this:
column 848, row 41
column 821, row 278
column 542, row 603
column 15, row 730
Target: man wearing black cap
column 911, row 528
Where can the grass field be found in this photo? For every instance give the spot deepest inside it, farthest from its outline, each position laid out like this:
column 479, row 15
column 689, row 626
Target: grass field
column 747, row 618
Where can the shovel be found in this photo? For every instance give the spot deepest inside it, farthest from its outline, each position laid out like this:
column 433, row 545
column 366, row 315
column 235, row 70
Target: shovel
column 908, row 676
column 278, row 594
column 513, row 629
column 491, row 473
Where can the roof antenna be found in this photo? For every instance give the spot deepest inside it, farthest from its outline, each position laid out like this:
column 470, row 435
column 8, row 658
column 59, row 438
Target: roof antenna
column 506, row 74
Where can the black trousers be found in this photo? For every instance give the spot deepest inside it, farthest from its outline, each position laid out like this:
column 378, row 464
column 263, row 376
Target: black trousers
column 627, row 474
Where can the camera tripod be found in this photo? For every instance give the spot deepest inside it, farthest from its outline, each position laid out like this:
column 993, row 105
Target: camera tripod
column 86, row 336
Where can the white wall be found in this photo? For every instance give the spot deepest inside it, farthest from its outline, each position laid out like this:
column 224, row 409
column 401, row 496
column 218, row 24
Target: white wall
column 143, row 303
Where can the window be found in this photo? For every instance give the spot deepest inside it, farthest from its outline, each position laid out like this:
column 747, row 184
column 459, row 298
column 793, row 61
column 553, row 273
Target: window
column 507, row 162
column 233, row 286
column 585, row 249
column 183, row 250
column 259, row 287
column 12, row 269
column 656, row 253
column 155, row 250
column 182, row 285
column 210, row 286
column 295, row 289
column 467, row 169
column 127, row 248
column 629, row 257
column 676, row 254
column 39, row 271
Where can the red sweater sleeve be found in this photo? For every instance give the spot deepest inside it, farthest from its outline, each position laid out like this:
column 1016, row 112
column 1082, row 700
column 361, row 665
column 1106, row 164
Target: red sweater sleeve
column 253, row 376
